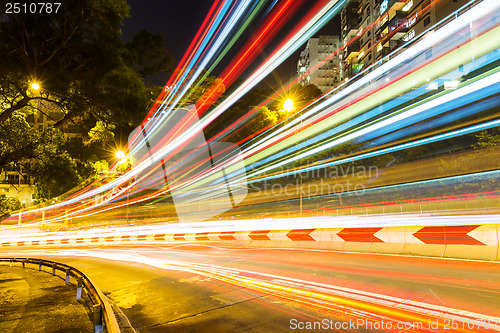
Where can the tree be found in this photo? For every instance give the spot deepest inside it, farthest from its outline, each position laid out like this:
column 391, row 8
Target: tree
column 206, row 90
column 269, row 116
column 76, row 62
column 145, row 53
column 76, row 58
column 487, row 139
column 309, row 92
column 8, row 205
column 18, row 139
column 101, row 133
column 55, row 171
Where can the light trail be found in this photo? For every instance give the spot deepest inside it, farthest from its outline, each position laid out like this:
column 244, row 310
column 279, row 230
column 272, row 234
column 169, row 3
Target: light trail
column 385, row 111
column 362, row 110
column 315, row 292
column 280, row 55
column 436, row 67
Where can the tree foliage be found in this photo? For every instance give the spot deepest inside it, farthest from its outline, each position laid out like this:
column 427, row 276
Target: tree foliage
column 54, row 169
column 8, row 205
column 84, row 71
column 309, row 92
column 487, row 139
column 145, row 53
column 268, row 116
column 77, row 58
column 101, row 133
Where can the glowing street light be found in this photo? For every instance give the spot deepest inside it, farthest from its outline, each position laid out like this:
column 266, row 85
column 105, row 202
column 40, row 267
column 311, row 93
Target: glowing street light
column 120, row 155
column 288, row 105
column 35, row 86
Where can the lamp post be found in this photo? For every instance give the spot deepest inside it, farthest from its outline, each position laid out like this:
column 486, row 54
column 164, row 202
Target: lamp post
column 122, row 157
column 288, row 106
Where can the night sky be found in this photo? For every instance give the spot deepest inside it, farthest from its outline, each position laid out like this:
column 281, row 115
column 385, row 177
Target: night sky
column 179, row 21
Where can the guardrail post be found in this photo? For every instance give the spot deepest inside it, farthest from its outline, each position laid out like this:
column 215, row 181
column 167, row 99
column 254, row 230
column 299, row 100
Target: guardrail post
column 97, row 312
column 79, row 287
column 66, row 219
column 101, row 312
column 67, row 276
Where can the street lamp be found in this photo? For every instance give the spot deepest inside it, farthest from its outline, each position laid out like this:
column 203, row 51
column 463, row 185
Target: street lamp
column 35, row 86
column 120, row 155
column 288, row 105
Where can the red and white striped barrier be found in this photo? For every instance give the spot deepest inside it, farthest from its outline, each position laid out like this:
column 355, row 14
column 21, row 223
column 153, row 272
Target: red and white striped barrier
column 463, row 241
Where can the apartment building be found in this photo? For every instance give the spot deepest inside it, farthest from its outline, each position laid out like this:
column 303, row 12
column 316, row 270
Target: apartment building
column 16, row 181
column 327, row 75
column 371, row 29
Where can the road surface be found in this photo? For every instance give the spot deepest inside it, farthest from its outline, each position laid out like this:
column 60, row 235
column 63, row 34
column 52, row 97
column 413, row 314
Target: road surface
column 33, row 301
column 216, row 289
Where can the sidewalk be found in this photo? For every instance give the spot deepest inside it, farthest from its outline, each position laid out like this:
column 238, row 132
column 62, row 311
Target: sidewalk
column 33, row 301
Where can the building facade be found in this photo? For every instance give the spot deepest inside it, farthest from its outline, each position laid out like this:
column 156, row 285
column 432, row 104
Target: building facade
column 309, row 68
column 16, row 181
column 371, row 29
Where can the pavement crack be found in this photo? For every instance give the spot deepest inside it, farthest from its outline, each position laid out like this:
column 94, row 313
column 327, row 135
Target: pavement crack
column 437, row 296
column 206, row 311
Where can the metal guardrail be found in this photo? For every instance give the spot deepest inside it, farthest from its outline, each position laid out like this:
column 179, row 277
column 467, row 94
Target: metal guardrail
column 101, row 309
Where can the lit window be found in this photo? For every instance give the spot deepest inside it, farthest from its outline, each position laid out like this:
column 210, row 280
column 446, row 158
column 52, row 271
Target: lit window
column 383, row 6
column 408, row 6
column 411, row 21
column 453, row 84
column 409, row 35
column 432, row 86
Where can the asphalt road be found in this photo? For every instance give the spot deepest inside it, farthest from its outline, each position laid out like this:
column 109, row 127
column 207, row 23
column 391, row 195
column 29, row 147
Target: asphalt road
column 33, row 301
column 214, row 289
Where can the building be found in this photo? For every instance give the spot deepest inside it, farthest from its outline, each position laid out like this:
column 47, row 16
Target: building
column 327, row 75
column 372, row 29
column 16, row 181
column 48, row 115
